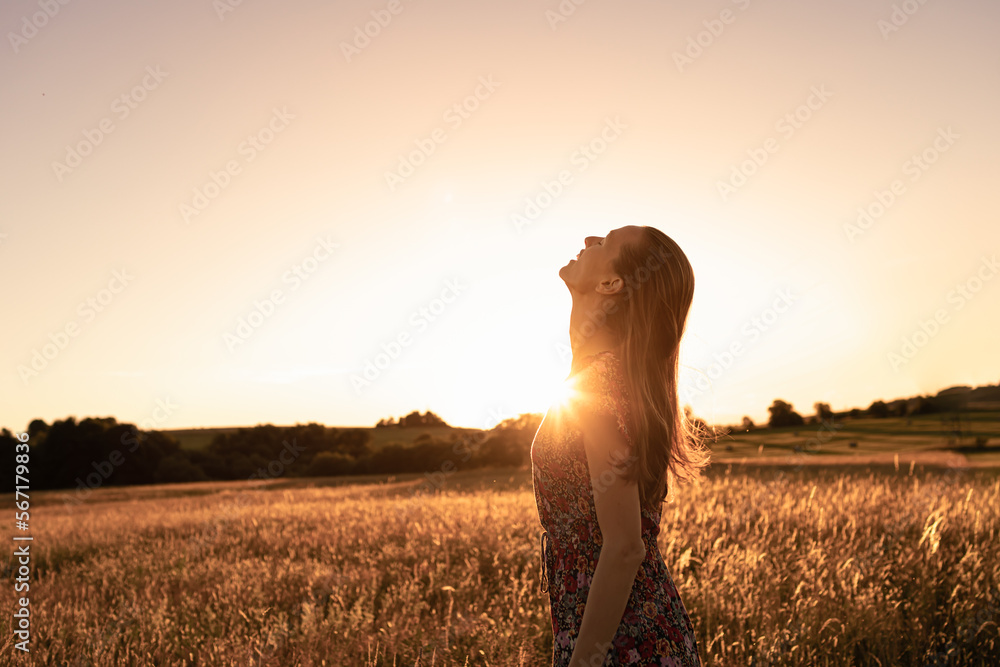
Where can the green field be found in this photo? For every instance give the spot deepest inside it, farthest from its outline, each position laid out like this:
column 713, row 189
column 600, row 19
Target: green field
column 920, row 433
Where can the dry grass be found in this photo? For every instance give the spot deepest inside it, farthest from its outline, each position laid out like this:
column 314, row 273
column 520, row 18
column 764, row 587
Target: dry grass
column 805, row 567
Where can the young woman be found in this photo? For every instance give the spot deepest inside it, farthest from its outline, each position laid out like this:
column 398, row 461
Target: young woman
column 606, row 458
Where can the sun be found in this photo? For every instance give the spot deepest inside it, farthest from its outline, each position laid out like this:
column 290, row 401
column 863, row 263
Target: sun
column 564, row 393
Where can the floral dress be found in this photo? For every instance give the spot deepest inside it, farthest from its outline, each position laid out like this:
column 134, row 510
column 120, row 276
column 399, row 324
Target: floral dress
column 655, row 628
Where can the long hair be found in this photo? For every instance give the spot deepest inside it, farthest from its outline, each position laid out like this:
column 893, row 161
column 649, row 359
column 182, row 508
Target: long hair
column 654, row 304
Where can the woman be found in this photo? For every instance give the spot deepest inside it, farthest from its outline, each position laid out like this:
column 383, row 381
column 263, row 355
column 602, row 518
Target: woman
column 605, row 459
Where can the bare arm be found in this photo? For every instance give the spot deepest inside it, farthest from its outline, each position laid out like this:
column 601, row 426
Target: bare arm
column 622, row 552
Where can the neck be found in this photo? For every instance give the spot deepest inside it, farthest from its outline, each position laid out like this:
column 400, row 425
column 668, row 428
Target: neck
column 587, row 331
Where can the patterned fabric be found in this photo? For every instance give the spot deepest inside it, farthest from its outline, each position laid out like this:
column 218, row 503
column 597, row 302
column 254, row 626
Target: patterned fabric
column 655, row 628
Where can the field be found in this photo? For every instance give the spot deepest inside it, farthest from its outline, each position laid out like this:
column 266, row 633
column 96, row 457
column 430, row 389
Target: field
column 872, row 437
column 777, row 565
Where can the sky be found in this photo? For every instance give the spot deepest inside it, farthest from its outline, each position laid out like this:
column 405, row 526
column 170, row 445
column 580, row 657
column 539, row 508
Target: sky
column 221, row 213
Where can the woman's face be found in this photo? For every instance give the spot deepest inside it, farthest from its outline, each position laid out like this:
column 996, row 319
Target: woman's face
column 592, row 268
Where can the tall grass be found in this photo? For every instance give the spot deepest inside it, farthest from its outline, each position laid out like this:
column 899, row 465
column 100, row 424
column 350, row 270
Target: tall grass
column 810, row 567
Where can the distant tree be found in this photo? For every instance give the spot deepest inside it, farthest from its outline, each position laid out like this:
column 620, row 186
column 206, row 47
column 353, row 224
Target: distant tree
column 178, row 468
column 528, row 421
column 823, row 411
column 37, row 428
column 782, row 414
column 506, row 448
column 878, row 409
column 747, row 423
column 919, row 406
column 856, row 413
column 417, row 419
column 897, row 408
column 330, row 464
column 8, row 463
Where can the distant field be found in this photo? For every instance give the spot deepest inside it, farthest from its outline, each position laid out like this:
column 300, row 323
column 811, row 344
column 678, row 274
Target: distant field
column 872, row 436
column 777, row 565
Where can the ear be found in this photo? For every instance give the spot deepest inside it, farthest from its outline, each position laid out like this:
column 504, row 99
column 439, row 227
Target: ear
column 611, row 285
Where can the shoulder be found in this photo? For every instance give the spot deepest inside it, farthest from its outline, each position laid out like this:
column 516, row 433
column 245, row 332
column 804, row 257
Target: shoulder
column 602, row 406
column 601, row 384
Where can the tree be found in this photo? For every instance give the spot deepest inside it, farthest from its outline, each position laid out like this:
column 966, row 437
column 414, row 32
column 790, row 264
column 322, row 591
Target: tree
column 747, row 423
column 330, row 464
column 37, row 427
column 878, row 409
column 782, row 414
column 526, row 421
column 823, row 411
column 417, row 419
column 178, row 468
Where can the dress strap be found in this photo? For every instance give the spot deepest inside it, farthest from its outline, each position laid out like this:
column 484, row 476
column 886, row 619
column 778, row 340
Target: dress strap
column 543, row 585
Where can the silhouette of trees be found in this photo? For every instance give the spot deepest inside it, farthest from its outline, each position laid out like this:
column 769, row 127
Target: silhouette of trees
column 100, row 451
column 782, row 414
column 413, row 419
column 330, row 464
column 747, row 423
column 878, row 409
column 823, row 411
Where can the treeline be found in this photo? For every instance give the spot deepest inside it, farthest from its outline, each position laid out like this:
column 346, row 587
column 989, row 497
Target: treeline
column 96, row 452
column 954, row 399
column 411, row 420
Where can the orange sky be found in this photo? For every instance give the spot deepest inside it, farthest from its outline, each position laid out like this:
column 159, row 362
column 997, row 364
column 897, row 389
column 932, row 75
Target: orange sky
column 221, row 214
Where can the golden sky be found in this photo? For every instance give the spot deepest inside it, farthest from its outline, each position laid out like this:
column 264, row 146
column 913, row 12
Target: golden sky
column 220, row 213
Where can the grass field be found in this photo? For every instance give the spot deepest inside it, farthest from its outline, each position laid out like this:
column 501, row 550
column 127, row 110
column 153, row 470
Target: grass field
column 778, row 565
column 871, row 436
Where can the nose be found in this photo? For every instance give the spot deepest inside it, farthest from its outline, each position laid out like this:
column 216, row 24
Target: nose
column 590, row 240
